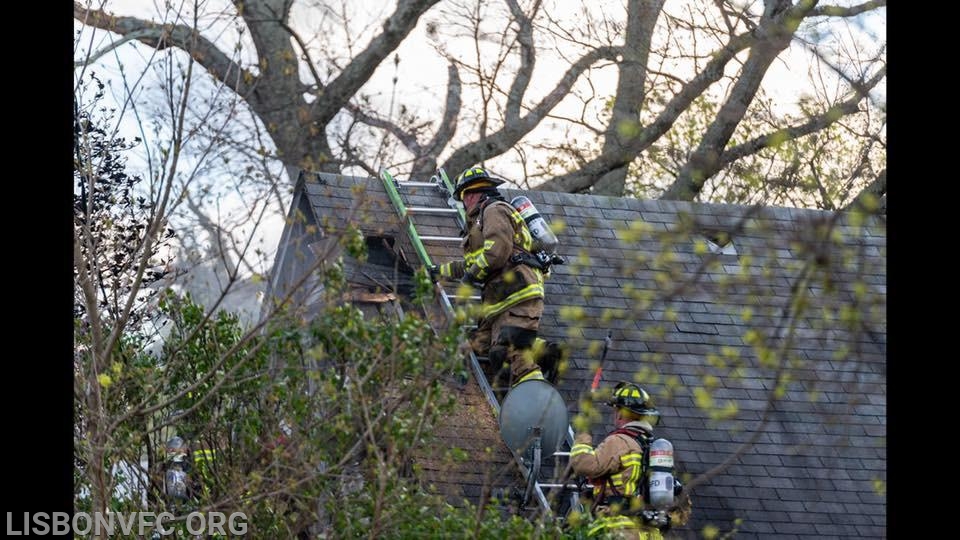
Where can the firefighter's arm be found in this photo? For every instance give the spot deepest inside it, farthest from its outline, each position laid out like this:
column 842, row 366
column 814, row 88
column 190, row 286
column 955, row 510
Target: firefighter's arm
column 452, row 270
column 593, row 462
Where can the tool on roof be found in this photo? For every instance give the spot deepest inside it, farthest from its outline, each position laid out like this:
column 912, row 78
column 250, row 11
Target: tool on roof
column 596, row 376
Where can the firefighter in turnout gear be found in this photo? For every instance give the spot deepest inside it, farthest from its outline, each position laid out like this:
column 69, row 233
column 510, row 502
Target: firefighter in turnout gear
column 619, row 472
column 512, row 289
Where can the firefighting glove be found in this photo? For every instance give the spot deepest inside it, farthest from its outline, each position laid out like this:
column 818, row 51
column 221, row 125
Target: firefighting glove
column 656, row 518
column 470, row 278
column 434, row 271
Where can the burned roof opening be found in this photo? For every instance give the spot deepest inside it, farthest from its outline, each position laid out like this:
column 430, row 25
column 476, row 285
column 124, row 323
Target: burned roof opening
column 385, row 269
column 380, row 251
column 718, row 241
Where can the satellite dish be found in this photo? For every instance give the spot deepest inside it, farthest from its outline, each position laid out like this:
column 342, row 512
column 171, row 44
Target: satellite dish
column 530, row 405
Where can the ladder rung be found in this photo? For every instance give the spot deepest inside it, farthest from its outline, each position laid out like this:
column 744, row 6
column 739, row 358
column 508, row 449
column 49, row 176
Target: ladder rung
column 568, row 486
column 429, row 210
column 457, row 239
column 472, row 298
column 417, row 184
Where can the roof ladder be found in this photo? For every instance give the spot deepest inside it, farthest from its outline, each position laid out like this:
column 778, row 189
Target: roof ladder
column 442, row 184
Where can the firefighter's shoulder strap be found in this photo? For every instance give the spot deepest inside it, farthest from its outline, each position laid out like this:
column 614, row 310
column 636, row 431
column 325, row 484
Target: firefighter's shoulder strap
column 489, row 201
column 643, row 439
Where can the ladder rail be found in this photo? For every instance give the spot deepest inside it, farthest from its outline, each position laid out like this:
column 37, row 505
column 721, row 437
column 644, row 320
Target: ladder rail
column 442, row 180
column 391, row 187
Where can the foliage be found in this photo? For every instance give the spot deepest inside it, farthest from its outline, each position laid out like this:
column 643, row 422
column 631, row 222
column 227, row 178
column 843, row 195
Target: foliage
column 312, row 427
column 112, row 212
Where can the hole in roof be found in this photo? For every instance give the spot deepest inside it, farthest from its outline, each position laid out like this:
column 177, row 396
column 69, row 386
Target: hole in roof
column 719, row 242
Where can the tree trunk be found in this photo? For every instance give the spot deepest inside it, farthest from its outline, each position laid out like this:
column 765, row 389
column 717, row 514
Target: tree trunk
column 624, row 123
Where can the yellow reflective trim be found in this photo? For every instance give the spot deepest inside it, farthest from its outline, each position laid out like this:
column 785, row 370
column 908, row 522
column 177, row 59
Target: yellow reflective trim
column 581, row 448
column 530, row 291
column 478, row 256
column 200, row 455
column 535, row 374
column 611, row 522
column 482, row 262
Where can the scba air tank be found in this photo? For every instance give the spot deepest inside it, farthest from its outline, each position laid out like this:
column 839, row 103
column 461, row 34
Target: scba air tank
column 175, row 482
column 661, row 474
column 543, row 237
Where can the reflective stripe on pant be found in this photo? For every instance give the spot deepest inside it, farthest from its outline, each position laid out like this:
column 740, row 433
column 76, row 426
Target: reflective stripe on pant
column 622, row 527
column 524, row 315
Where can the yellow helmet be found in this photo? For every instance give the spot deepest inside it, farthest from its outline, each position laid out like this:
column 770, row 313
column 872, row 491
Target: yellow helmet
column 474, row 178
column 633, row 398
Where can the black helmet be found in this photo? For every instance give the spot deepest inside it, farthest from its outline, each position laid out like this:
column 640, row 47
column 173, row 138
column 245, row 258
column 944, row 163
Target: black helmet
column 474, row 178
column 634, row 398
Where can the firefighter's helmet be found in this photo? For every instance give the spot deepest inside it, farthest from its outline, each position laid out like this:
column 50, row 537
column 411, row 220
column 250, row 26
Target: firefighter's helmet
column 474, row 178
column 635, row 399
column 176, row 449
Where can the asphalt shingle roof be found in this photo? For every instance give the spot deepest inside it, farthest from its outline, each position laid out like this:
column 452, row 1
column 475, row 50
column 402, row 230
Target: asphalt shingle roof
column 685, row 321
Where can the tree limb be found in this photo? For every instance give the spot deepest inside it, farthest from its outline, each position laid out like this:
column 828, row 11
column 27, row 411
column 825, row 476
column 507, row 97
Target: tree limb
column 181, row 36
column 839, row 11
column 528, row 60
column 501, row 141
column 624, row 123
column 91, row 58
column 448, row 124
column 585, row 176
column 400, row 23
column 814, row 123
column 876, row 192
column 778, row 30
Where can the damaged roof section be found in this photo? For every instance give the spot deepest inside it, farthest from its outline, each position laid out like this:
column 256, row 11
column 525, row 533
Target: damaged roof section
column 760, row 332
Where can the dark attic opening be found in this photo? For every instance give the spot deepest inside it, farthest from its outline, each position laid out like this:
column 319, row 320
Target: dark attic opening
column 382, row 283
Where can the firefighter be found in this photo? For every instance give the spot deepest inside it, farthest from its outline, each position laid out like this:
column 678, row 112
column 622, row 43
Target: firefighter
column 511, row 284
column 204, row 467
column 619, row 472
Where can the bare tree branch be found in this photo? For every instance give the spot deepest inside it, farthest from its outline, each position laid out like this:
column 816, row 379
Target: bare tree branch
column 585, row 176
column 400, row 23
column 876, row 191
column 839, row 11
column 93, row 57
column 528, row 60
column 778, row 30
column 447, row 127
column 813, row 124
column 624, row 123
column 160, row 36
column 502, row 140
